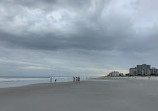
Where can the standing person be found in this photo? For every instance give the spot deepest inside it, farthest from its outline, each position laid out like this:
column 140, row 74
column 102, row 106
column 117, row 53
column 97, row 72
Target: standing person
column 73, row 79
column 50, row 79
column 76, row 79
column 79, row 79
column 55, row 80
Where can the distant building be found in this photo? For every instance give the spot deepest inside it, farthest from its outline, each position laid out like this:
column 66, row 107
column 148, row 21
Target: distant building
column 121, row 74
column 115, row 74
column 133, row 71
column 127, row 74
column 154, row 71
column 143, row 70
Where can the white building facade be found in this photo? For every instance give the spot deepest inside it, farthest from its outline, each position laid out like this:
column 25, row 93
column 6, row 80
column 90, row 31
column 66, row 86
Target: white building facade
column 114, row 74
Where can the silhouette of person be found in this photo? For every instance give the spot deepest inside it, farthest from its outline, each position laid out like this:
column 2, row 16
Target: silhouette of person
column 76, row 79
column 50, row 79
column 73, row 79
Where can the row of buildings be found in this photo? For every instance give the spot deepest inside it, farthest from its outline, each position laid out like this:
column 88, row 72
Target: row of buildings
column 139, row 70
column 143, row 70
column 115, row 74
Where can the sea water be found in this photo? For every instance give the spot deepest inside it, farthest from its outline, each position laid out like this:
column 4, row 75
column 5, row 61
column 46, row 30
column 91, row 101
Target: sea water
column 22, row 81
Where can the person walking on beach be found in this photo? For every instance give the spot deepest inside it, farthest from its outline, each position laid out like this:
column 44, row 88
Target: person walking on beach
column 55, row 80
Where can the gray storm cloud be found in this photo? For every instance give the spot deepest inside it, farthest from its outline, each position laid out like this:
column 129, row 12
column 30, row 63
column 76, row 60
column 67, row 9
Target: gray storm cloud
column 69, row 36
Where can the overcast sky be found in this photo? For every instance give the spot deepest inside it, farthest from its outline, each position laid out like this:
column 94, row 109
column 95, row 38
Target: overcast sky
column 77, row 37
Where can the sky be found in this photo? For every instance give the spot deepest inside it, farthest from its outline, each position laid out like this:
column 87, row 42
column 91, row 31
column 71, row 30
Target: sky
column 76, row 37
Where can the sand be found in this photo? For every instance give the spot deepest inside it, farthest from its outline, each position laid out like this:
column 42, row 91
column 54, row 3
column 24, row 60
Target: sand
column 96, row 95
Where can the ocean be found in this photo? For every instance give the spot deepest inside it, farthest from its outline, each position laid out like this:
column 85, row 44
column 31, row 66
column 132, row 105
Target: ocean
column 6, row 82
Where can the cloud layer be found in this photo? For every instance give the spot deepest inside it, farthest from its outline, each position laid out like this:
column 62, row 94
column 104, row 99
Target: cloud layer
column 76, row 37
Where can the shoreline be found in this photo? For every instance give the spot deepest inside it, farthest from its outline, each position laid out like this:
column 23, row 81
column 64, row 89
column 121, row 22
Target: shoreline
column 122, row 95
column 42, row 84
column 19, row 83
column 92, row 79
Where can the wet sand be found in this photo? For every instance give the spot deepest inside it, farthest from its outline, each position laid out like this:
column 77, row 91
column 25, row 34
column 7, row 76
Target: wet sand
column 98, row 95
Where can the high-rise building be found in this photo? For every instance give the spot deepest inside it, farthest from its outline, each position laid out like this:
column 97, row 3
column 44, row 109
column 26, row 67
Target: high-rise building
column 143, row 70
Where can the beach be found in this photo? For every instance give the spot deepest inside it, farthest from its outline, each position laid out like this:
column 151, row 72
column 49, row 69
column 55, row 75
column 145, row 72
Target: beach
column 93, row 95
